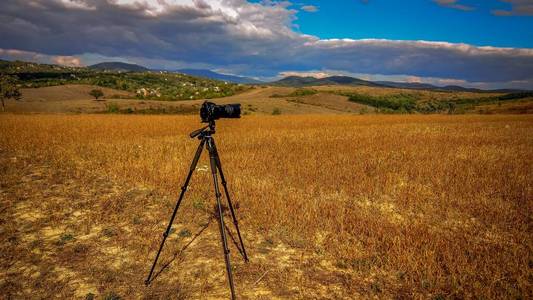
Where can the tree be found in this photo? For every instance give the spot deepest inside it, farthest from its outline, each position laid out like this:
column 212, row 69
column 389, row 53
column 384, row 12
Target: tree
column 96, row 93
column 8, row 90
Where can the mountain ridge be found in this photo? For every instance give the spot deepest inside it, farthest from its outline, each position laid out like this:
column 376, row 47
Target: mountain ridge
column 303, row 81
column 219, row 76
column 297, row 81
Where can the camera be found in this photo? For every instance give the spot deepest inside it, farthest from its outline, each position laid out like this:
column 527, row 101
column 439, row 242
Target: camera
column 210, row 111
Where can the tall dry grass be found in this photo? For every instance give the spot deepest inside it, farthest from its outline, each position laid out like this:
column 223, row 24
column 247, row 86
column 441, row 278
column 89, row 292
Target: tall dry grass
column 417, row 206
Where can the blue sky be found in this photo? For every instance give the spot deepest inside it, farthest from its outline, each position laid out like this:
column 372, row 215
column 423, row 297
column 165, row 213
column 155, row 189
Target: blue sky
column 484, row 44
column 417, row 20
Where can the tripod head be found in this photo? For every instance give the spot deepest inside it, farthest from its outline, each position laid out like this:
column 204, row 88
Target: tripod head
column 207, row 130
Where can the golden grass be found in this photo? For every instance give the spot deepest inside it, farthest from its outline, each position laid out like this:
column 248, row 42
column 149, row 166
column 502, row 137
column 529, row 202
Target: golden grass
column 422, row 94
column 377, row 206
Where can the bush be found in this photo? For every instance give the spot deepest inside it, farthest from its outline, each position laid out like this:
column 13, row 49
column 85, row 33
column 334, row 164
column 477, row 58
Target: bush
column 518, row 95
column 296, row 93
column 276, row 111
column 96, row 93
column 400, row 102
column 302, row 92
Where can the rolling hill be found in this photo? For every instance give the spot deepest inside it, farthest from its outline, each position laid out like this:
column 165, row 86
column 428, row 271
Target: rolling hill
column 126, row 77
column 125, row 67
column 118, row 67
column 453, row 88
column 297, row 81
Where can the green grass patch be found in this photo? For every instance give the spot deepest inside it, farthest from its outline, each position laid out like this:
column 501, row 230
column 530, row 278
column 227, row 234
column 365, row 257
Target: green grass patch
column 400, row 103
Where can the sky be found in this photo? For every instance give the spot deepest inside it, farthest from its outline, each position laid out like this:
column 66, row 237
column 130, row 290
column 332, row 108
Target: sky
column 485, row 44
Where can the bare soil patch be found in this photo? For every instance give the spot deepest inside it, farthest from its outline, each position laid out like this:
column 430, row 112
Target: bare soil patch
column 67, row 93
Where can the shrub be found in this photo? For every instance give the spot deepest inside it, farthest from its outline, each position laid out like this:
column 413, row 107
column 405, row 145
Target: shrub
column 96, row 93
column 112, row 108
column 518, row 95
column 302, row 92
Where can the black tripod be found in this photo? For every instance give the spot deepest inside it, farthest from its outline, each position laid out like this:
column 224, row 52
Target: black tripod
column 205, row 136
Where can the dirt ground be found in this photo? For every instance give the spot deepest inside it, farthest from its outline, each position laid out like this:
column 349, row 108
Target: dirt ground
column 64, row 237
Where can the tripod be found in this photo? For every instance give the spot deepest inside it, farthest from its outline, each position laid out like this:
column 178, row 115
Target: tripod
column 206, row 139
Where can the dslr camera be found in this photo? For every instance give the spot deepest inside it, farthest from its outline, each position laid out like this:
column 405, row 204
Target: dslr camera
column 210, row 111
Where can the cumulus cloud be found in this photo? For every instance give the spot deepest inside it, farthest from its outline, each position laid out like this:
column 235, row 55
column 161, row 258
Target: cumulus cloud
column 70, row 61
column 421, row 58
column 315, row 74
column 15, row 54
column 254, row 39
column 519, row 7
column 453, row 4
column 309, row 8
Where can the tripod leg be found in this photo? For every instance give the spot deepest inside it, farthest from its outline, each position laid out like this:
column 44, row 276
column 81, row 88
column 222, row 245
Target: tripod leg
column 183, row 189
column 224, row 184
column 212, row 156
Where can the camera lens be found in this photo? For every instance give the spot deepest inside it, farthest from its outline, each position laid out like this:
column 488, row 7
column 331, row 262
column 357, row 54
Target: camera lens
column 210, row 111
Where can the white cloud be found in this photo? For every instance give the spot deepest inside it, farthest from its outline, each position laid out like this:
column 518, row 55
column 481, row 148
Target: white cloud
column 14, row 54
column 77, row 4
column 315, row 74
column 454, row 4
column 309, row 8
column 158, row 7
column 70, row 61
column 518, row 7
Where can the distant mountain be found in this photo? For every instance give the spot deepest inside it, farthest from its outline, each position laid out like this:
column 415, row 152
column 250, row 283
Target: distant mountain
column 427, row 86
column 408, row 85
column 297, row 81
column 118, row 67
column 451, row 88
column 214, row 75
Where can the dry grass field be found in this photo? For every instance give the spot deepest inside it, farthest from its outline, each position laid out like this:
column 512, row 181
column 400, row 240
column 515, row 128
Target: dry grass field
column 380, row 91
column 259, row 100
column 74, row 99
column 330, row 207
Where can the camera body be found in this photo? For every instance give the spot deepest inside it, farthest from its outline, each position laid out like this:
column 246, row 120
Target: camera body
column 211, row 111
